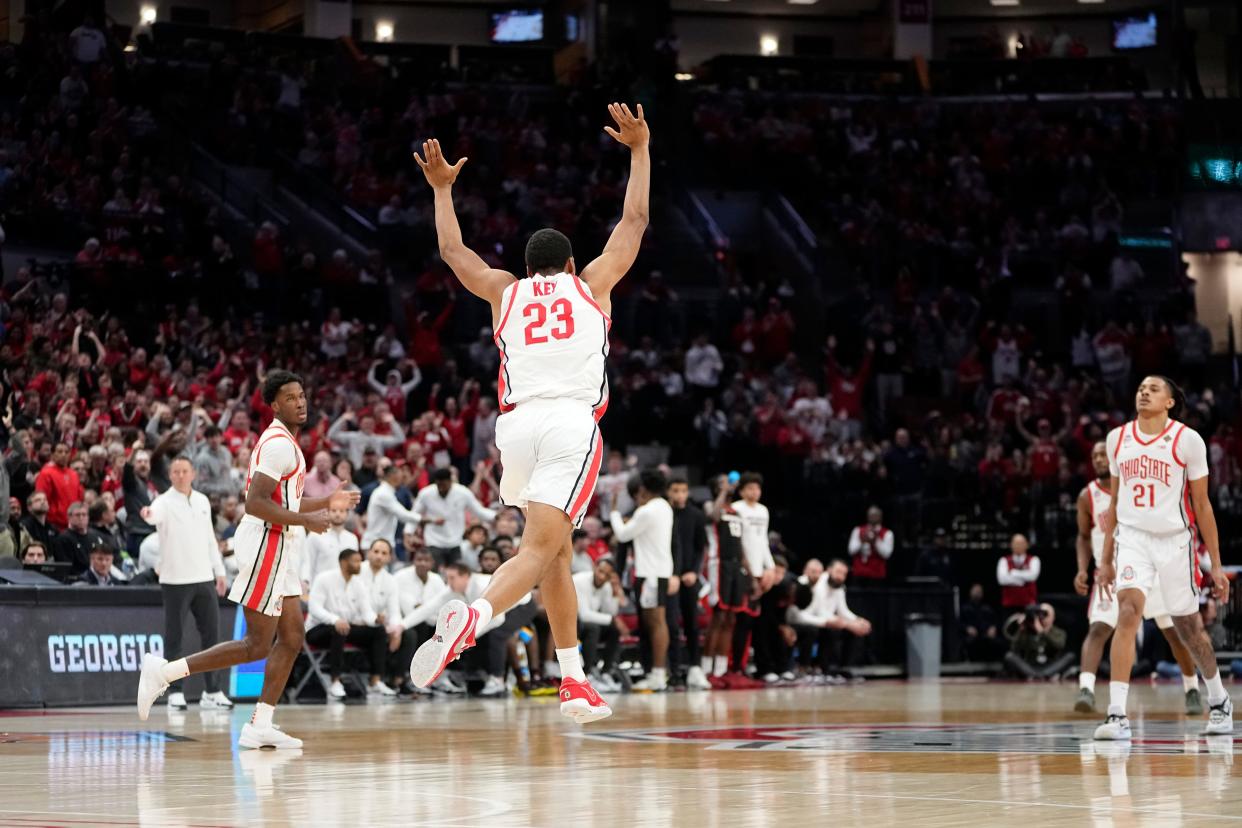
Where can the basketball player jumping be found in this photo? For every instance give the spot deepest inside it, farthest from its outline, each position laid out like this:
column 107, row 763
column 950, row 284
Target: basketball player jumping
column 552, row 331
column 268, row 549
column 1159, row 487
column 1093, row 505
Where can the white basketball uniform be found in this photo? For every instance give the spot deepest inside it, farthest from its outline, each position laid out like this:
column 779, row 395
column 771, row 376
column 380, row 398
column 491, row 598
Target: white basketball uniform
column 553, row 390
column 269, row 555
column 1102, row 608
column 1155, row 521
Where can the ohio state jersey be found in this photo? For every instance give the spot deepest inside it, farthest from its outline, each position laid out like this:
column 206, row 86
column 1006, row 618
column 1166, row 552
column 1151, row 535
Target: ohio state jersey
column 1154, row 474
column 553, row 340
column 278, row 456
column 1101, row 499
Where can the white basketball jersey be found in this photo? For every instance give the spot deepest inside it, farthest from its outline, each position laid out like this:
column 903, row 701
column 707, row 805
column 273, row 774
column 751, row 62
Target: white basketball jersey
column 278, row 456
column 553, row 340
column 1154, row 471
column 1100, row 501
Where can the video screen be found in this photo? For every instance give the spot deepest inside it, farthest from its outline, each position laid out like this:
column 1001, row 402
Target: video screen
column 1135, row 32
column 519, row 26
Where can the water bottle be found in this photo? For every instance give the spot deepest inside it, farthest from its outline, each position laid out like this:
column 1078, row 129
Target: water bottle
column 127, row 566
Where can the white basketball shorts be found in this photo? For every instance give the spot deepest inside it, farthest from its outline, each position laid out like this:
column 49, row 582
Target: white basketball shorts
column 268, row 563
column 1103, row 609
column 1160, row 565
column 550, row 453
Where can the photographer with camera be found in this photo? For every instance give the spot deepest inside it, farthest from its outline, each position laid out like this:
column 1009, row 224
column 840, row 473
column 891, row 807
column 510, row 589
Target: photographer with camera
column 1038, row 648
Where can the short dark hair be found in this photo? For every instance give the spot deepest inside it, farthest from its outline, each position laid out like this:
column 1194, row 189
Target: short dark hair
column 802, row 596
column 1176, row 392
column 347, row 552
column 653, row 480
column 39, row 544
column 780, row 560
column 459, row 567
column 678, row 479
column 390, row 469
column 97, row 510
column 748, row 478
column 212, row 431
column 442, row 473
column 487, row 549
column 548, row 249
column 577, row 535
column 834, row 561
column 384, row 541
column 500, row 538
column 181, row 458
column 276, row 380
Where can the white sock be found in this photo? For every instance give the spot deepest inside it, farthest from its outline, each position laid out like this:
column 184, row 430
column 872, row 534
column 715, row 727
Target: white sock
column 706, row 663
column 1215, row 689
column 262, row 718
column 486, row 612
column 570, row 660
column 659, row 675
column 1117, row 693
column 175, row 670
column 722, row 666
column 1086, row 681
column 1190, row 682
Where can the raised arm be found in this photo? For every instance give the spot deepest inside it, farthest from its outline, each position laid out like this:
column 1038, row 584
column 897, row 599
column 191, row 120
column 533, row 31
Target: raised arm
column 621, row 250
column 474, row 274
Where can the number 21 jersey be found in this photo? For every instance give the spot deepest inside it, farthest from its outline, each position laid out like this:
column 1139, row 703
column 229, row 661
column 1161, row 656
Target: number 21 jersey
column 1154, row 474
column 553, row 341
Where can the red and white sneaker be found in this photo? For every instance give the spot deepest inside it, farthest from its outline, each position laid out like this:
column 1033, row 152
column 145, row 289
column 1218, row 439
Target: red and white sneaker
column 580, row 702
column 454, row 635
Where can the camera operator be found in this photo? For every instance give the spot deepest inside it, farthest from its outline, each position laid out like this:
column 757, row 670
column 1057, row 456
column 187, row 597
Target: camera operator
column 1038, row 648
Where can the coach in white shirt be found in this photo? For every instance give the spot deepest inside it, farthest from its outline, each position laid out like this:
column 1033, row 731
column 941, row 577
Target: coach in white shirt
column 443, row 506
column 323, row 549
column 826, row 618
column 340, row 613
column 383, row 588
column 384, row 512
column 651, row 530
column 419, row 590
column 191, row 574
column 599, row 596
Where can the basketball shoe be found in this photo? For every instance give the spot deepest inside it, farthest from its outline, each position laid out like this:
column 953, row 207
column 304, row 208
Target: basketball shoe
column 151, row 684
column 273, row 737
column 1220, row 719
column 454, row 635
column 580, row 702
column 1115, row 729
column 1085, row 703
column 1194, row 705
column 215, row 701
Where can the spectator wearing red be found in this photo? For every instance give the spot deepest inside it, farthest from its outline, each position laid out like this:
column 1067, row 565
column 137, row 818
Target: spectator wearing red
column 1044, row 446
column 846, row 387
column 269, row 259
column 1017, row 574
column 871, row 546
column 61, row 486
column 425, row 335
column 395, row 389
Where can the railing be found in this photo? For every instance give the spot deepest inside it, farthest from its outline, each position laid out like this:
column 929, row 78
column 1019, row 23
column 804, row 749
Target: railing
column 239, row 195
column 701, row 219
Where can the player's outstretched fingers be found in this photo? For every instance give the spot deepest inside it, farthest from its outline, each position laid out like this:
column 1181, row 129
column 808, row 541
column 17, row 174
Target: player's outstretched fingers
column 626, row 109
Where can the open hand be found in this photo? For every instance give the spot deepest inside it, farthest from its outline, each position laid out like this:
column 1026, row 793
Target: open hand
column 344, row 499
column 631, row 131
column 437, row 169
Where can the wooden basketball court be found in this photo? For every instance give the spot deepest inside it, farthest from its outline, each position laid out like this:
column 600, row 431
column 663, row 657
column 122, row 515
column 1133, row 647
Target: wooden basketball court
column 882, row 753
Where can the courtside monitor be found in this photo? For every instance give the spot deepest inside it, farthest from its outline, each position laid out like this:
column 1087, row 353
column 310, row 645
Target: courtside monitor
column 517, row 26
column 1135, row 32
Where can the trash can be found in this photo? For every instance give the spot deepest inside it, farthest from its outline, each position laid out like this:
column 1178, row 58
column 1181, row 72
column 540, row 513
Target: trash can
column 923, row 645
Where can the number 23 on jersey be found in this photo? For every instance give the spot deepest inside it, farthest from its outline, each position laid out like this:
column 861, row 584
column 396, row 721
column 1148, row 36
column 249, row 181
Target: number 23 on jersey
column 538, row 329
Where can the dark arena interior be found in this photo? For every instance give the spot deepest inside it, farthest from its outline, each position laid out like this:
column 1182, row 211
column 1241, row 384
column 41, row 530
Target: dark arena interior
column 908, row 332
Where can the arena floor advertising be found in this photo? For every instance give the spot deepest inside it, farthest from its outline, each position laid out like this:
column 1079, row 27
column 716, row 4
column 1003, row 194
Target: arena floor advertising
column 935, row 753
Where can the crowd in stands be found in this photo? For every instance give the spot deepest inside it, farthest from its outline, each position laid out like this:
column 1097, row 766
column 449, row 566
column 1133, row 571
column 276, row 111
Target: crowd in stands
column 933, row 394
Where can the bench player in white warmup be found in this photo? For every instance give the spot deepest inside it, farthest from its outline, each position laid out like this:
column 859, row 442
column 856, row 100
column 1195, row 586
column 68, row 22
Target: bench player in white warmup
column 1159, row 475
column 552, row 331
column 268, row 584
column 1093, row 503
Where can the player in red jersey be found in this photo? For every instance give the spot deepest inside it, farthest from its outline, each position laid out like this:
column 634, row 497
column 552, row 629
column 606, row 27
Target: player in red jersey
column 552, row 331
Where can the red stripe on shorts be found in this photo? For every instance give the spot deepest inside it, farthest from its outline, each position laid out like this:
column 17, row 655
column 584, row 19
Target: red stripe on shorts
column 265, row 570
column 588, row 485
